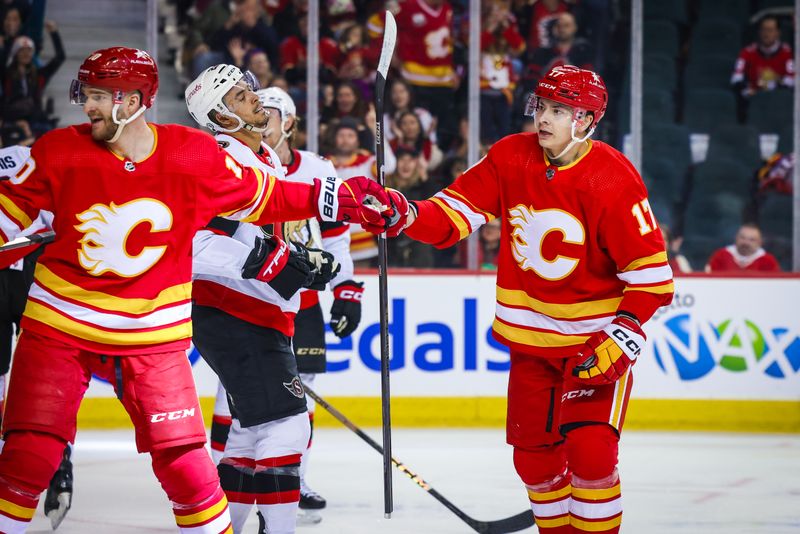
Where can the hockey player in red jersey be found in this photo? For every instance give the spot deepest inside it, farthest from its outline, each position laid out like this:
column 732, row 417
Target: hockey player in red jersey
column 111, row 295
column 581, row 266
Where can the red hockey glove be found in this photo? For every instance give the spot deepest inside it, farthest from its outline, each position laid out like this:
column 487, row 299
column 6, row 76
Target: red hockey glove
column 608, row 353
column 346, row 309
column 358, row 200
column 396, row 223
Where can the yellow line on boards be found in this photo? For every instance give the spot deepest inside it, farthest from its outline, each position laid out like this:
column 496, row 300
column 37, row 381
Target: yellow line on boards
column 489, row 412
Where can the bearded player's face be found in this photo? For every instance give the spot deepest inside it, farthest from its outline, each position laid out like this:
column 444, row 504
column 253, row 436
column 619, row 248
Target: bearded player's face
column 98, row 108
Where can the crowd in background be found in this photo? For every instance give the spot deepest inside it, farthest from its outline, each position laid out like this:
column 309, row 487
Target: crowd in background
column 26, row 113
column 426, row 99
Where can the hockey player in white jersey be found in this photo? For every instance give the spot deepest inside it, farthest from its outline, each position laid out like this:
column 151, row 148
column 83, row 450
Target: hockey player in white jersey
column 243, row 326
column 309, row 340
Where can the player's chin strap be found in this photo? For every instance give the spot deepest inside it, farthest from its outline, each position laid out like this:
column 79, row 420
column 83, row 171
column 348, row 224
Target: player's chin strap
column 240, row 124
column 284, row 136
column 123, row 122
column 574, row 140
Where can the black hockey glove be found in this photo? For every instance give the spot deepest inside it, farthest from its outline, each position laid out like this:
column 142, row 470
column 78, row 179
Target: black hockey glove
column 324, row 266
column 271, row 261
column 346, row 309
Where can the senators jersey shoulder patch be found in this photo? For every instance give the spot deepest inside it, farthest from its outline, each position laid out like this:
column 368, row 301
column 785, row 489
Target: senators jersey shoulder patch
column 223, row 144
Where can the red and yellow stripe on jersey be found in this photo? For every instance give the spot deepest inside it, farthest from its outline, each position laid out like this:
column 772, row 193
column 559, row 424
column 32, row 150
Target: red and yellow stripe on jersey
column 117, row 279
column 578, row 243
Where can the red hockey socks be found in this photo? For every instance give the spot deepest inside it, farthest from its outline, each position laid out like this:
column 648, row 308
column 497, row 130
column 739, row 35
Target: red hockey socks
column 27, row 464
column 190, row 480
column 543, row 470
column 596, row 499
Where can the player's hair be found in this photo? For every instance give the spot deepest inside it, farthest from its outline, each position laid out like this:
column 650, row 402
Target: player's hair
column 750, row 224
column 767, row 17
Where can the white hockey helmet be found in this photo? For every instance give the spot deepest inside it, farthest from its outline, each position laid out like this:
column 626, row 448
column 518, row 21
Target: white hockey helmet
column 277, row 98
column 206, row 92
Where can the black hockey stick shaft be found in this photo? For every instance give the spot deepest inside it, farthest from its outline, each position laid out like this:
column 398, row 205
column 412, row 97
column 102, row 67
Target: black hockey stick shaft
column 514, row 523
column 29, row 241
column 389, row 38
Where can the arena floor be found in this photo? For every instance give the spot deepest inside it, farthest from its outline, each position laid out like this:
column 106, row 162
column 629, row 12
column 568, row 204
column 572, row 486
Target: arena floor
column 672, row 483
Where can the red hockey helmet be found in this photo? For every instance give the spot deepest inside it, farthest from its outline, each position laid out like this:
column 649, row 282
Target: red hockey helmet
column 120, row 70
column 578, row 88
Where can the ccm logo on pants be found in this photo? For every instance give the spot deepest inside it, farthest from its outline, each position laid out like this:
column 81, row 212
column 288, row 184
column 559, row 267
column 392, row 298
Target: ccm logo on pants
column 171, row 416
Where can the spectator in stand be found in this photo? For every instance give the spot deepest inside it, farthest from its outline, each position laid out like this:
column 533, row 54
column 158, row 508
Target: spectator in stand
column 293, row 55
column 196, row 54
column 500, row 43
column 490, row 244
column 425, row 51
column 338, row 15
column 676, row 260
column 351, row 159
column 401, row 98
column 745, row 254
column 23, row 87
column 358, row 59
column 246, row 28
column 257, row 62
column 411, row 136
column 766, row 64
column 12, row 27
column 542, row 15
column 411, row 179
column 567, row 49
column 349, row 102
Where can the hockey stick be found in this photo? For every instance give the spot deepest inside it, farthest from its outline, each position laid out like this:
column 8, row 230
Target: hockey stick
column 389, row 38
column 514, row 523
column 29, row 241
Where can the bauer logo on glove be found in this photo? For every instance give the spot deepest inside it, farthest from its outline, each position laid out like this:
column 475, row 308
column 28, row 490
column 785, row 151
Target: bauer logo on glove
column 608, row 354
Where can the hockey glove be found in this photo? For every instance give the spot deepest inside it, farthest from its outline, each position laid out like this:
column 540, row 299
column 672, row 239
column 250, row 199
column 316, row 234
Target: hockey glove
column 400, row 209
column 608, row 353
column 346, row 309
column 324, row 266
column 358, row 200
column 272, row 262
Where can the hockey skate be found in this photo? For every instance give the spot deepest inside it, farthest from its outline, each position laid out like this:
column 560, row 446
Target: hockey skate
column 310, row 499
column 58, row 500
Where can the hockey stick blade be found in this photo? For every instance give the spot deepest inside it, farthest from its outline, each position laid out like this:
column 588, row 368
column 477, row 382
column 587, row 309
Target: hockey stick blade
column 515, row 523
column 29, row 241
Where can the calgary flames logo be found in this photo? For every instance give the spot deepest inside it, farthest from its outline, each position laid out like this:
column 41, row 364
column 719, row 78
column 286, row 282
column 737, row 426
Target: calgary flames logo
column 530, row 229
column 106, row 230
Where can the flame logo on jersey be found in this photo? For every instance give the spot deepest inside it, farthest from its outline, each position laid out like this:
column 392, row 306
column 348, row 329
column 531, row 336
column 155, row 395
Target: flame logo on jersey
column 531, row 227
column 106, row 230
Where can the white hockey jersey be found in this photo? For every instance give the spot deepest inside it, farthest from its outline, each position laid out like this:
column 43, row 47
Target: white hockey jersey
column 218, row 259
column 332, row 237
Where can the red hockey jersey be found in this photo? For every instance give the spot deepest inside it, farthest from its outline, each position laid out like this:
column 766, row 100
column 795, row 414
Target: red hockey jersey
column 764, row 71
column 578, row 242
column 425, row 43
column 728, row 259
column 117, row 279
